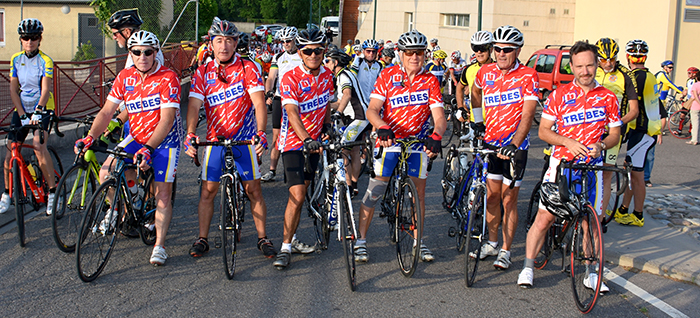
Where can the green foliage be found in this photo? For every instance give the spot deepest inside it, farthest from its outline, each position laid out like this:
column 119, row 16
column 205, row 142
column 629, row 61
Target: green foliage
column 149, row 10
column 297, row 13
column 85, row 52
column 270, row 9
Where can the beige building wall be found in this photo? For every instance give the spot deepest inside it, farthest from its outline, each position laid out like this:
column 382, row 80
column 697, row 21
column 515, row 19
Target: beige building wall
column 688, row 46
column 60, row 37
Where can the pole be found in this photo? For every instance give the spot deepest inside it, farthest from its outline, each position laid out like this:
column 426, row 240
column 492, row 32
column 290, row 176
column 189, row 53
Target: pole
column 196, row 22
column 478, row 26
column 374, row 22
column 311, row 12
column 319, row 14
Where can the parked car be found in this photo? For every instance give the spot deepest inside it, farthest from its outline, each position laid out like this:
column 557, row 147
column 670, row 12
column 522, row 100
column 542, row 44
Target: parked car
column 552, row 66
column 260, row 29
column 330, row 22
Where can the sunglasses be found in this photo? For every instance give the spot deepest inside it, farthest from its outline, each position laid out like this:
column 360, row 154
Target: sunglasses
column 317, row 51
column 326, row 61
column 412, row 52
column 481, row 48
column 30, row 37
column 370, row 51
column 669, row 67
column 148, row 52
column 287, row 41
column 602, row 60
column 506, row 50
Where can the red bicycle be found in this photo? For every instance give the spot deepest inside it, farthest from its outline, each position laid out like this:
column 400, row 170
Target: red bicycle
column 679, row 124
column 27, row 184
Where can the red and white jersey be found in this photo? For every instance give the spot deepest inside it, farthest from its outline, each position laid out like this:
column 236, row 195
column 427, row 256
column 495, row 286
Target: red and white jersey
column 312, row 95
column 407, row 104
column 143, row 100
column 229, row 109
column 581, row 116
column 502, row 100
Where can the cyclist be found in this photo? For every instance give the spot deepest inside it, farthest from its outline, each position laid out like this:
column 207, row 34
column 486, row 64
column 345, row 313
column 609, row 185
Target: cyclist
column 455, row 67
column 692, row 79
column 508, row 92
column 123, row 24
column 281, row 64
column 151, row 93
column 482, row 45
column 348, row 48
column 349, row 94
column 242, row 50
column 617, row 78
column 642, row 132
column 236, row 117
column 200, row 58
column 387, row 59
column 398, row 116
column 265, row 62
column 433, row 47
column 367, row 68
column 581, row 110
column 436, row 66
column 306, row 91
column 664, row 78
column 31, row 73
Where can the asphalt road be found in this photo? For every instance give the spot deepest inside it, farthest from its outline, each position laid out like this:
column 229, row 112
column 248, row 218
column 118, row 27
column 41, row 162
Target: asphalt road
column 40, row 280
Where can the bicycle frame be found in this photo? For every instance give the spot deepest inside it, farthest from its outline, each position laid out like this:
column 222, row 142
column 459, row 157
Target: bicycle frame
column 478, row 179
column 92, row 167
column 36, row 191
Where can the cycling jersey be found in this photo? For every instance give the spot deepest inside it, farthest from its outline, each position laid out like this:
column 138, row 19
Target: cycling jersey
column 284, row 62
column 202, row 52
column 229, row 109
column 407, row 104
column 436, row 69
column 666, row 85
column 503, row 97
column 620, row 82
column 145, row 98
column 457, row 68
column 311, row 94
column 255, row 61
column 469, row 74
column 357, row 105
column 649, row 119
column 581, row 116
column 29, row 72
column 366, row 75
column 689, row 84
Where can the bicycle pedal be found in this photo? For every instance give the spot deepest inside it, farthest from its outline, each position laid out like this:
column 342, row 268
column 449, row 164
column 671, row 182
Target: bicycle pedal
column 452, row 232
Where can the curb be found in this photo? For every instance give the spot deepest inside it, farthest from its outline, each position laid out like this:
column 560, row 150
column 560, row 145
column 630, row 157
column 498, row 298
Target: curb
column 652, row 267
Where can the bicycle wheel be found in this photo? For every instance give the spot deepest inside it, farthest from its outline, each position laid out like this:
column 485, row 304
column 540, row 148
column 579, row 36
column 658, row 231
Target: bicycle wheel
column 615, row 187
column 229, row 225
column 409, row 228
column 98, row 232
column 57, row 165
column 586, row 259
column 18, row 195
column 347, row 234
column 474, row 236
column 72, row 194
column 679, row 124
column 321, row 225
column 388, row 208
column 533, row 206
column 462, row 213
column 451, row 173
column 147, row 226
column 538, row 112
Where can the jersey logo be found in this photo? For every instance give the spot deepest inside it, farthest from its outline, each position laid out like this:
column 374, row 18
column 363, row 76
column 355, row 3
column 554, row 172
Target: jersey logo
column 397, row 80
column 508, row 97
column 211, row 78
column 305, row 85
column 613, row 78
column 130, row 82
column 286, row 89
column 416, row 98
column 317, row 103
column 570, row 98
column 145, row 104
column 584, row 116
column 233, row 92
column 173, row 92
column 490, row 78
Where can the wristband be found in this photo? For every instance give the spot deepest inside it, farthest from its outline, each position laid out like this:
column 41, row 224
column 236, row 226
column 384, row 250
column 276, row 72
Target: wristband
column 478, row 115
column 149, row 148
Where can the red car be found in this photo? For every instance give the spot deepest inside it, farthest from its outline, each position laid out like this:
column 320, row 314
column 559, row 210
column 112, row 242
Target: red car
column 552, row 66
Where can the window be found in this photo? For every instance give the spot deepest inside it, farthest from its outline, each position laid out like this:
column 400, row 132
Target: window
column 526, row 23
column 565, row 67
column 408, row 20
column 2, row 27
column 531, row 62
column 545, row 64
column 552, row 11
column 566, row 11
column 456, row 20
column 691, row 15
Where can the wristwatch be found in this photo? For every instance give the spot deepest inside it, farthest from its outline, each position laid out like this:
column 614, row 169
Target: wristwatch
column 603, row 146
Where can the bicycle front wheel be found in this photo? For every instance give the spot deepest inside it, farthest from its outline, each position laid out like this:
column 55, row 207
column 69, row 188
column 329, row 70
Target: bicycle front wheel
column 72, row 194
column 408, row 227
column 346, row 227
column 19, row 200
column 229, row 225
column 615, row 187
column 474, row 235
column 451, row 173
column 98, row 232
column 321, row 225
column 147, row 226
column 586, row 259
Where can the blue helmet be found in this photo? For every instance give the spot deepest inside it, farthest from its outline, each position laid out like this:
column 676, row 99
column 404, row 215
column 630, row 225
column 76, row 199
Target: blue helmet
column 666, row 63
column 370, row 44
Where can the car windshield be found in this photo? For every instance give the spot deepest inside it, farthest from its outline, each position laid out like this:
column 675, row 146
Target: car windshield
column 332, row 24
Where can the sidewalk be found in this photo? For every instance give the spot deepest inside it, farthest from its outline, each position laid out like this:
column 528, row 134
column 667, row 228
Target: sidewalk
column 656, row 248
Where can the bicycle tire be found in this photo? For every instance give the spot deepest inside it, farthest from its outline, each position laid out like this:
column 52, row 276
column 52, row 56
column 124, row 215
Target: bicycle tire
column 19, row 199
column 388, row 208
column 680, row 121
column 463, row 216
column 347, row 234
column 451, row 174
column 538, row 112
column 72, row 195
column 98, row 232
column 229, row 225
column 533, row 206
column 149, row 204
column 614, row 198
column 57, row 165
column 474, row 236
column 585, row 297
column 321, row 226
column 409, row 228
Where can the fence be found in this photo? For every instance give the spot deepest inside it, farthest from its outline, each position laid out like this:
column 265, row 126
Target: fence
column 78, row 86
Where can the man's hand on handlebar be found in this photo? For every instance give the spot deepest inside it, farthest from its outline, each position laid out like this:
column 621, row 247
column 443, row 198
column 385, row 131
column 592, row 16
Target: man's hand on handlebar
column 83, row 144
column 385, row 136
column 190, row 141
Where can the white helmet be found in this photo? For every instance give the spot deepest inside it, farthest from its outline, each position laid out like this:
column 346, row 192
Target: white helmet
column 481, row 38
column 266, row 57
column 456, row 55
column 143, row 38
column 508, row 34
column 412, row 40
column 288, row 33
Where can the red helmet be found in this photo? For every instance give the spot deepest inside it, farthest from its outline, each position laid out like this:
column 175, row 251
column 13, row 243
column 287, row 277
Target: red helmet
column 693, row 70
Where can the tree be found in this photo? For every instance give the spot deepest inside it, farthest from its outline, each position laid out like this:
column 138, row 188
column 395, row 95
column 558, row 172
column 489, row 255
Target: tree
column 297, row 12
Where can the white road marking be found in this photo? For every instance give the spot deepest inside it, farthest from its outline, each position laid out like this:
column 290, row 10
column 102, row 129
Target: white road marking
column 643, row 294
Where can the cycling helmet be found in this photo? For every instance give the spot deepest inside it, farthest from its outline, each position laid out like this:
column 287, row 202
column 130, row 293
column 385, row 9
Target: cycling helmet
column 434, row 40
column 30, row 27
column 388, row 52
column 288, row 33
column 125, row 17
column 266, row 57
column 143, row 38
column 508, row 34
column 693, row 70
column 380, row 42
column 551, row 199
column 666, row 63
column 637, row 48
column 607, row 48
column 472, row 58
column 439, row 54
column 370, row 44
column 340, row 56
column 389, row 45
column 242, row 47
column 356, row 48
column 412, row 40
column 311, row 36
column 205, row 38
column 222, row 28
column 456, row 55
column 481, row 38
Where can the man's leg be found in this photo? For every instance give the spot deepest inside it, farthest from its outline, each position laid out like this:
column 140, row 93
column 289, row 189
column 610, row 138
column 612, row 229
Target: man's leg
column 164, row 213
column 259, row 211
column 533, row 244
column 205, row 212
column 493, row 216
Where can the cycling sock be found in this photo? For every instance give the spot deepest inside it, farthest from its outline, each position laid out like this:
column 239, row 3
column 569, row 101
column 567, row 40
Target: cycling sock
column 507, row 253
column 493, row 244
column 354, row 184
column 529, row 263
column 623, row 209
column 361, row 242
column 639, row 215
column 286, row 247
column 294, row 238
column 7, row 191
column 52, row 190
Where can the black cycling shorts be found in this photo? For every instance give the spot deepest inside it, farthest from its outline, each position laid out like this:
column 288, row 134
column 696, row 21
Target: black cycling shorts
column 22, row 134
column 499, row 169
column 276, row 112
column 294, row 167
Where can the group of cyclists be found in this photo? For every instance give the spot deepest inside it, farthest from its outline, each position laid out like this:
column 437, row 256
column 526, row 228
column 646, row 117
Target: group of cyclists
column 397, row 97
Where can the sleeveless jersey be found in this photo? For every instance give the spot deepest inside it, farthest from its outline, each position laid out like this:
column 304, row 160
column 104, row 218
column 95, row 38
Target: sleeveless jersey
column 29, row 72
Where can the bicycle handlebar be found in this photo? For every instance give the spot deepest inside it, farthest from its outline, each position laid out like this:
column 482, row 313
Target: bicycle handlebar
column 221, row 142
column 563, row 185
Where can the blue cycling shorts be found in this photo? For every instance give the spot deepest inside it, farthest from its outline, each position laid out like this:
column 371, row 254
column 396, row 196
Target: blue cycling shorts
column 417, row 161
column 244, row 156
column 163, row 160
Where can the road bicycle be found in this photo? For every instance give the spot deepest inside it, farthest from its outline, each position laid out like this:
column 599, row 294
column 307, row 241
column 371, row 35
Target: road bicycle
column 679, row 124
column 28, row 185
column 577, row 231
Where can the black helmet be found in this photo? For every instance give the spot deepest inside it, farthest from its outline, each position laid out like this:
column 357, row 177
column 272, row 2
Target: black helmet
column 30, row 27
column 311, row 36
column 388, row 52
column 551, row 199
column 340, row 56
column 242, row 47
column 126, row 17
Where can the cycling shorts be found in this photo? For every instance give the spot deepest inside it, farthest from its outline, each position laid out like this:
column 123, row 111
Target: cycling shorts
column 595, row 182
column 276, row 112
column 612, row 152
column 294, row 167
column 163, row 160
column 417, row 161
column 245, row 158
column 638, row 145
column 22, row 133
column 356, row 129
column 500, row 169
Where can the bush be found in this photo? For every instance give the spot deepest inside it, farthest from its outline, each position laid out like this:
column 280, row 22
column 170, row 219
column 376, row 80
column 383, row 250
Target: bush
column 85, row 52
